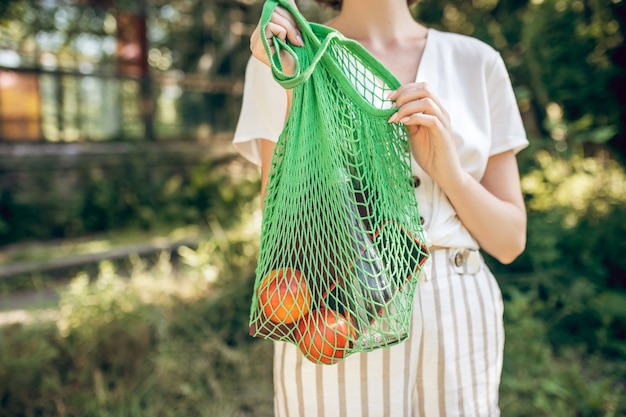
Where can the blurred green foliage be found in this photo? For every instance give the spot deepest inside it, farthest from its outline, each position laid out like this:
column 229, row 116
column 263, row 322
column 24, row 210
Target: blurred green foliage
column 170, row 339
column 565, row 297
column 539, row 380
column 141, row 191
column 574, row 259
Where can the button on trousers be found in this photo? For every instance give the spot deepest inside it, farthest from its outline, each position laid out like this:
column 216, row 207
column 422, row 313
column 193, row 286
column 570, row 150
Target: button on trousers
column 449, row 366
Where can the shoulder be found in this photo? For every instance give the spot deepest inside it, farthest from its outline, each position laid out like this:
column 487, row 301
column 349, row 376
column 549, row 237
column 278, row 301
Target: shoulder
column 260, row 81
column 465, row 50
column 257, row 70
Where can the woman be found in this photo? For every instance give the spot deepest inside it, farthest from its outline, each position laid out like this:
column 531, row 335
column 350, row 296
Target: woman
column 465, row 129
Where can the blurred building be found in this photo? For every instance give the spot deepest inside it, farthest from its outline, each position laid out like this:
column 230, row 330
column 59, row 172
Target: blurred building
column 102, row 70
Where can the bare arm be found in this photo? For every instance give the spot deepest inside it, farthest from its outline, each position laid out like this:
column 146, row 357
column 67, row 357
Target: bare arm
column 267, row 152
column 493, row 210
column 282, row 25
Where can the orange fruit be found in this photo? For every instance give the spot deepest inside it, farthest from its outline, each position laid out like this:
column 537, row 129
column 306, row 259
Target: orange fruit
column 284, row 295
column 324, row 336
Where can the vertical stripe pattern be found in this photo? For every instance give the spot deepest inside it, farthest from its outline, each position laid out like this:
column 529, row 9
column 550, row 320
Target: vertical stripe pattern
column 457, row 346
column 440, row 380
column 450, row 366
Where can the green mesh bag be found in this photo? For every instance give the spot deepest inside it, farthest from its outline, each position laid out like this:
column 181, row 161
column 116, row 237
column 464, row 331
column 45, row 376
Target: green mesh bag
column 341, row 240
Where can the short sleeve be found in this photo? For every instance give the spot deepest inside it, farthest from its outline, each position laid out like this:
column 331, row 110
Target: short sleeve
column 263, row 111
column 507, row 129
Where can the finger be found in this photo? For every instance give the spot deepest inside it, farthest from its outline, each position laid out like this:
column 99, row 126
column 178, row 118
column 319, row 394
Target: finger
column 414, row 91
column 422, row 106
column 286, row 15
column 283, row 18
column 420, row 119
column 272, row 29
column 411, row 88
column 258, row 48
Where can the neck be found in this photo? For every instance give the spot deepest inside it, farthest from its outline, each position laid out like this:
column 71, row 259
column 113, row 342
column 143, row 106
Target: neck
column 375, row 21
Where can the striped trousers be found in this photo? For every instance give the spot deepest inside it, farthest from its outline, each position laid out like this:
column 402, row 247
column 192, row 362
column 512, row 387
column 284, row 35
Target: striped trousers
column 449, row 366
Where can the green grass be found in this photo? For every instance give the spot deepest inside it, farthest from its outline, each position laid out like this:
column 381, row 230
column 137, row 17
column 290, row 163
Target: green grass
column 99, row 243
column 164, row 338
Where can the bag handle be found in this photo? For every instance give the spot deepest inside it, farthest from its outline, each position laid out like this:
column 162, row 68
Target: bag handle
column 300, row 74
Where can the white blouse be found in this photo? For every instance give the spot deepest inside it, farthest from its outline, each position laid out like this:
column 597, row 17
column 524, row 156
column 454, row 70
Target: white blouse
column 472, row 83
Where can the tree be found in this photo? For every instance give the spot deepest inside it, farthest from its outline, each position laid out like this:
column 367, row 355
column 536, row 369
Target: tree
column 564, row 57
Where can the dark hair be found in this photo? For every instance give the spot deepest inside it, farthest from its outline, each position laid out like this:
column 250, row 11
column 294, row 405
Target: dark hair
column 336, row 4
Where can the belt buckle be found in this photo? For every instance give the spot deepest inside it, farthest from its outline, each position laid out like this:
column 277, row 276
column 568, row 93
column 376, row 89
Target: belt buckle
column 465, row 261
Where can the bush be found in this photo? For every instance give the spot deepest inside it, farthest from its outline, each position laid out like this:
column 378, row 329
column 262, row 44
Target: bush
column 575, row 250
column 539, row 380
column 565, row 298
column 165, row 342
column 171, row 340
column 141, row 190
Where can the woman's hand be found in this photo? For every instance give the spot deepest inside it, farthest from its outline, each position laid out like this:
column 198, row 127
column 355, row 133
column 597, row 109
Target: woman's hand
column 428, row 125
column 493, row 209
column 283, row 26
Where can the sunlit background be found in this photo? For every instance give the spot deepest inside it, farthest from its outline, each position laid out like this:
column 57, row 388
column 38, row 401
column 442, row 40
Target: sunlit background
column 129, row 226
column 104, row 70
